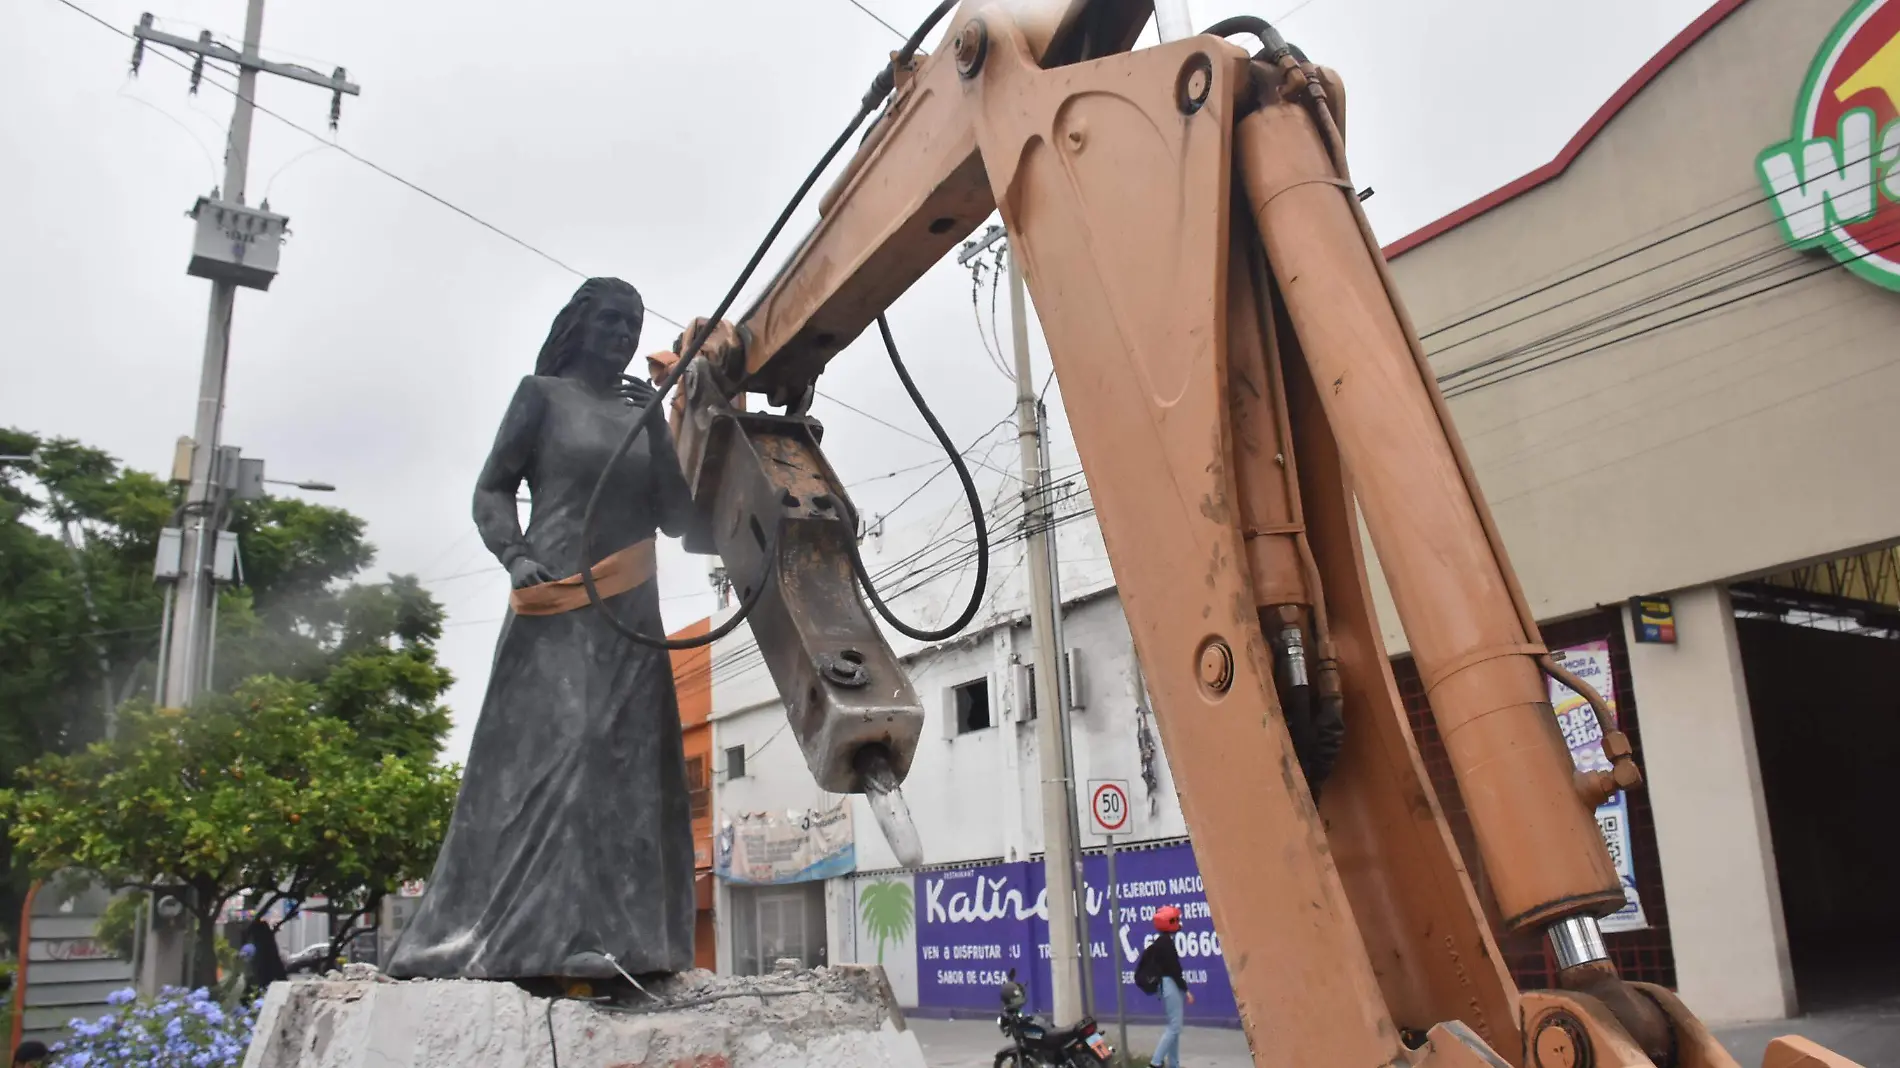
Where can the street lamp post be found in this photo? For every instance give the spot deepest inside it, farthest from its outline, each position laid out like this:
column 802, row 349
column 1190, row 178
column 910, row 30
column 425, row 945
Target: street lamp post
column 314, row 487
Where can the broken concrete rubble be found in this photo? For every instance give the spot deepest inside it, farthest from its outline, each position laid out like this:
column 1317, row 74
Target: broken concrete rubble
column 842, row 1017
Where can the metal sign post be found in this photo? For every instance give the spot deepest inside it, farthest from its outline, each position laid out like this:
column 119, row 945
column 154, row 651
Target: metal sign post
column 1108, row 817
column 1115, row 948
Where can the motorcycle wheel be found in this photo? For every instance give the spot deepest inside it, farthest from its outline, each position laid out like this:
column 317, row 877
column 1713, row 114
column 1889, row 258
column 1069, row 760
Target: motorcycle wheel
column 1009, row 1058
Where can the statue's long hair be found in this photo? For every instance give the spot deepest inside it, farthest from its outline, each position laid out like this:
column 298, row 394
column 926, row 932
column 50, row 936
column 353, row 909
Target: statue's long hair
column 562, row 347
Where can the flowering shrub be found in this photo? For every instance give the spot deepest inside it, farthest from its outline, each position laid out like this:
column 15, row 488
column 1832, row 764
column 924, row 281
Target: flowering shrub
column 178, row 1029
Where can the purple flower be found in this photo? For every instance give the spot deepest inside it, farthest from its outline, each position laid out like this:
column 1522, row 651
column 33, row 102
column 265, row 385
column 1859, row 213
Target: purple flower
column 177, row 1028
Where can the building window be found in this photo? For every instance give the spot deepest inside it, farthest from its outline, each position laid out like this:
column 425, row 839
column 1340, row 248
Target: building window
column 1029, row 698
column 698, row 790
column 735, row 762
column 972, row 705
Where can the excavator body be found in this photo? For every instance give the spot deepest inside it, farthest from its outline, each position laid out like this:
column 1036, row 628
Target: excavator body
column 1245, row 390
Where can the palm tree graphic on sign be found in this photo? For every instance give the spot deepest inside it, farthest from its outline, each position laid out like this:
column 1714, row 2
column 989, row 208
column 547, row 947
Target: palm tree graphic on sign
column 887, row 911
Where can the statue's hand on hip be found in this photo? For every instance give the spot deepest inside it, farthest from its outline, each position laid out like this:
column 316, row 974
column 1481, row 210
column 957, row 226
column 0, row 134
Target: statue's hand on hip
column 525, row 572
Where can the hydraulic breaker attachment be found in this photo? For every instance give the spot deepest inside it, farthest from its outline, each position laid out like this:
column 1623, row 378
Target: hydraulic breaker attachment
column 779, row 518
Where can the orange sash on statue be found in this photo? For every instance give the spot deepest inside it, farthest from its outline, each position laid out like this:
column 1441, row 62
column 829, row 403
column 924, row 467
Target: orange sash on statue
column 630, row 567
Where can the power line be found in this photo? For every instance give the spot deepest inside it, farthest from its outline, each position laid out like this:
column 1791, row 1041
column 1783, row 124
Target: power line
column 901, row 35
column 1754, row 200
column 385, row 172
column 1526, row 367
column 976, row 310
column 887, row 424
column 1527, row 354
column 890, row 474
column 1777, row 362
column 493, row 569
column 945, row 466
column 939, row 567
column 1573, row 399
column 937, row 558
column 1615, row 317
column 1776, row 403
column 1619, row 281
column 491, row 227
column 371, row 164
column 446, row 203
column 1585, row 295
column 750, row 658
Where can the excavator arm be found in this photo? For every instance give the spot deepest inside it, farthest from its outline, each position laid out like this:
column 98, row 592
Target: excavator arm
column 1244, row 388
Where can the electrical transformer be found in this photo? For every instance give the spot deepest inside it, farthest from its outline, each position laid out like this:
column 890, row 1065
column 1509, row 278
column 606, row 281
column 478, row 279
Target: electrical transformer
column 236, row 243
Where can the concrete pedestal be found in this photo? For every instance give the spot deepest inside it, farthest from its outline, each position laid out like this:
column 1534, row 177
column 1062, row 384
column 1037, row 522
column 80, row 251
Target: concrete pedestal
column 835, row 1018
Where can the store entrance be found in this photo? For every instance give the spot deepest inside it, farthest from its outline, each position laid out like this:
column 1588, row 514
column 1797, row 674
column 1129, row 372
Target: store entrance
column 1823, row 676
column 774, row 923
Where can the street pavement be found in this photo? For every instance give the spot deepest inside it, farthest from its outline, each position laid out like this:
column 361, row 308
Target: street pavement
column 1869, row 1035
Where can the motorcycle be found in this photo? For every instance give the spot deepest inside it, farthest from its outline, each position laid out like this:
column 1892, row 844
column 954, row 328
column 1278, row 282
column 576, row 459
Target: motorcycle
column 1032, row 1043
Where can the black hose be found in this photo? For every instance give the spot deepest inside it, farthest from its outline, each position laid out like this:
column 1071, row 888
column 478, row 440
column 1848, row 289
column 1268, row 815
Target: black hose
column 881, row 87
column 1276, row 45
column 969, row 493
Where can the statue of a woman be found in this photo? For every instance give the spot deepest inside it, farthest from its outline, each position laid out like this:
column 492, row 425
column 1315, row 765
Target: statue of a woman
column 572, row 837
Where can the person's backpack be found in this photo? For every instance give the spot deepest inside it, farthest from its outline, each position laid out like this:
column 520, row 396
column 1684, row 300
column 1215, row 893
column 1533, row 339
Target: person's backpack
column 1147, row 977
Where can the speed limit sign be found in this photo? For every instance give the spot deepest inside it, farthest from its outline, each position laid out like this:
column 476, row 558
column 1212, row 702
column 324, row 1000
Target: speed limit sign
column 1108, row 806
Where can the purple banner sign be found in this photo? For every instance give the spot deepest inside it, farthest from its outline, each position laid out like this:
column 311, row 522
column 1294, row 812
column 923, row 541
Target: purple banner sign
column 975, row 924
column 1149, row 879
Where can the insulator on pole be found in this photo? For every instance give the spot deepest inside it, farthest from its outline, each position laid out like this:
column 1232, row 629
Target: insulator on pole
column 138, row 43
column 198, row 64
column 336, row 98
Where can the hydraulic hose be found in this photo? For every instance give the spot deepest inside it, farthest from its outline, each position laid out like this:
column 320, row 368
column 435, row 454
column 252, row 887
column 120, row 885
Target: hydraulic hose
column 881, row 87
column 1275, row 45
column 969, row 493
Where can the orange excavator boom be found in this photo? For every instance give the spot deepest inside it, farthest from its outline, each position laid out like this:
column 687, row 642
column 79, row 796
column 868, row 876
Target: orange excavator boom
column 1244, row 388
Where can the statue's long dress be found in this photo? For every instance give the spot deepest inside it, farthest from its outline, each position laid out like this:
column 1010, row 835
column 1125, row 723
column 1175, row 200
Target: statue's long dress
column 572, row 836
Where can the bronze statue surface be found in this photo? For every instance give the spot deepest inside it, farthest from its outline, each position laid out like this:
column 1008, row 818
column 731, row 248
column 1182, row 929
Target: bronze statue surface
column 572, row 836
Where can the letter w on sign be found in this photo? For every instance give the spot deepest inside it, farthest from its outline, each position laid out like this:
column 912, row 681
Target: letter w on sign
column 1831, row 183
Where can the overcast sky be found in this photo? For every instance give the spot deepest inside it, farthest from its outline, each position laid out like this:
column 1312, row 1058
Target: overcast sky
column 653, row 141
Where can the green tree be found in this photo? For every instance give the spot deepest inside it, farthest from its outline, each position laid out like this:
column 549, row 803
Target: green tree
column 259, row 793
column 887, row 910
column 78, row 607
column 80, row 620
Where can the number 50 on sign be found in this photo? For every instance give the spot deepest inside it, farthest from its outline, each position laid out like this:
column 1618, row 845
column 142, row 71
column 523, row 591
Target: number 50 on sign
column 1108, row 806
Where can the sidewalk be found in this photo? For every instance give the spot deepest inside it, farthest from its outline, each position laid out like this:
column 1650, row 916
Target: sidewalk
column 1869, row 1036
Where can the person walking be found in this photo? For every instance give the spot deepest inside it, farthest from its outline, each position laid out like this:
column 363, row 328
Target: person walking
column 1158, row 971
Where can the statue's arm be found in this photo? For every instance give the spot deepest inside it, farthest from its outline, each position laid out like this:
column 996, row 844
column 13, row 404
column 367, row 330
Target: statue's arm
column 495, row 515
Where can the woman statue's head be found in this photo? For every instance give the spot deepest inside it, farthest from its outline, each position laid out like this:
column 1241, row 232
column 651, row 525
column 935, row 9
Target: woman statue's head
column 597, row 331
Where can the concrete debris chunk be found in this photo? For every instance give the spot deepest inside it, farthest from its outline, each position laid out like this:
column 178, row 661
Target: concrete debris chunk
column 843, row 1017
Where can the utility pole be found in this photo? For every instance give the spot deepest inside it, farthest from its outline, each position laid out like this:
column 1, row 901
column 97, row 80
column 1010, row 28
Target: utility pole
column 1060, row 859
column 235, row 245
column 1046, row 489
column 1173, row 20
